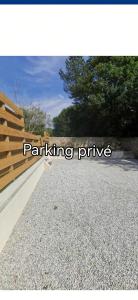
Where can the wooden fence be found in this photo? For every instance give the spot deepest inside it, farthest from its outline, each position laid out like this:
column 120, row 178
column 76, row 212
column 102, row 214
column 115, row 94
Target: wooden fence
column 12, row 137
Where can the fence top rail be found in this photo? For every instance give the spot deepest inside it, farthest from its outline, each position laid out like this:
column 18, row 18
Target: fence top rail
column 9, row 103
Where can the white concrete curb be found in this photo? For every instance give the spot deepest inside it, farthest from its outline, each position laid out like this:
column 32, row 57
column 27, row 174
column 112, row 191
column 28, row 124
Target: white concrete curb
column 15, row 197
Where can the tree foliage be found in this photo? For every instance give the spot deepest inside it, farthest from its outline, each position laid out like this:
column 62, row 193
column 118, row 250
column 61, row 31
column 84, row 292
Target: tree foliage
column 105, row 97
column 35, row 119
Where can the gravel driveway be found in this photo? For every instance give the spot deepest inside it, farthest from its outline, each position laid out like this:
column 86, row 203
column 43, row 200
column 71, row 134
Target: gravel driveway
column 78, row 231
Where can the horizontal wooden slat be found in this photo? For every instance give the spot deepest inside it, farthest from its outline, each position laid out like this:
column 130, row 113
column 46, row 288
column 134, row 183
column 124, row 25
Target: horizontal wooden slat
column 11, row 146
column 8, row 102
column 7, row 131
column 11, row 118
column 6, row 179
column 12, row 160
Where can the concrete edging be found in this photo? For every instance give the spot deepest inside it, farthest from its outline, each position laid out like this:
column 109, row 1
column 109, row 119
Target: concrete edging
column 15, row 197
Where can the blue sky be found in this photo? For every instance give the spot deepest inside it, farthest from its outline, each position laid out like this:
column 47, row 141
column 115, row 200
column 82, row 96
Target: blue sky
column 34, row 80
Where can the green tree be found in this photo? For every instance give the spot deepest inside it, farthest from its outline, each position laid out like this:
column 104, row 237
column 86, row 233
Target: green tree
column 105, row 93
column 62, row 123
column 35, row 120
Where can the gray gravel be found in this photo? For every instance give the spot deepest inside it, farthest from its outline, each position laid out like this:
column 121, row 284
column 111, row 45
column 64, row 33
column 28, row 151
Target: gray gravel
column 78, row 231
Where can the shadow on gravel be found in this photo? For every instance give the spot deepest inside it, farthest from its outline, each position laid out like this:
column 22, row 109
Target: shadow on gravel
column 125, row 164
